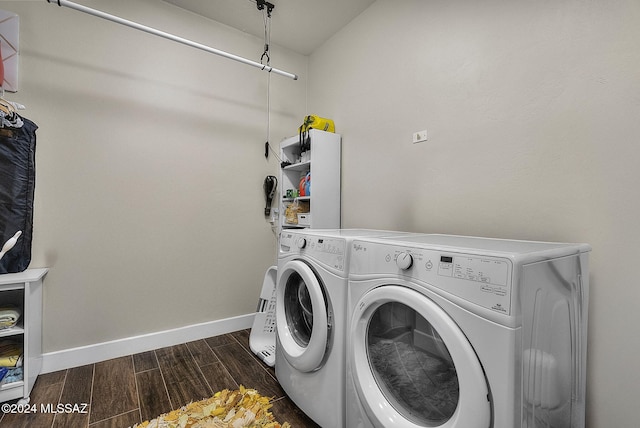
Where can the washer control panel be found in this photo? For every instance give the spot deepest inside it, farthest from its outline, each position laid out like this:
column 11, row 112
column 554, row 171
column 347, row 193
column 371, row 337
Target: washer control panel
column 328, row 251
column 481, row 279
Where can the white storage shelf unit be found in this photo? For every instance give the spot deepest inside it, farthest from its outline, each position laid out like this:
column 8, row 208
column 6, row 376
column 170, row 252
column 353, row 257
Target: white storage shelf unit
column 323, row 161
column 24, row 290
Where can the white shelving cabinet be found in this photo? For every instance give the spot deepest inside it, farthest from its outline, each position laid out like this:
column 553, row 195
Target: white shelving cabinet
column 24, row 290
column 323, row 161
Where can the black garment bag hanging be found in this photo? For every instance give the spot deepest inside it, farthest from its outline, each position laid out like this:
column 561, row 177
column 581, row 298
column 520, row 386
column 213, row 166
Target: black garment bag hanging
column 17, row 186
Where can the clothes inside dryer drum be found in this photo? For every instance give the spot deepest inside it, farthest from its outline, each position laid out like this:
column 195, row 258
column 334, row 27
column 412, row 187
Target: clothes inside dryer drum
column 298, row 309
column 412, row 366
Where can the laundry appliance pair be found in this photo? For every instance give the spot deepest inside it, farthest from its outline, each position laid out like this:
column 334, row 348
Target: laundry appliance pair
column 438, row 330
column 311, row 318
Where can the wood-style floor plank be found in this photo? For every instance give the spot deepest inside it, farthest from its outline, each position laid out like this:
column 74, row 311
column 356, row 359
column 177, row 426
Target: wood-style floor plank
column 114, row 389
column 43, row 394
column 218, row 377
column 242, row 336
column 76, row 391
column 247, row 371
column 145, row 361
column 124, row 420
column 47, row 379
column 182, row 376
column 202, row 353
column 154, row 399
column 223, row 339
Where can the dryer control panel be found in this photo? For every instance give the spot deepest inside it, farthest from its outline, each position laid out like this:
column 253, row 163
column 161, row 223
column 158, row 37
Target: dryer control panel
column 481, row 279
column 485, row 270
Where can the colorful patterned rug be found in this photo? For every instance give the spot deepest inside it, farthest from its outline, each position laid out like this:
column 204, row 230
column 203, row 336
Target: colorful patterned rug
column 226, row 409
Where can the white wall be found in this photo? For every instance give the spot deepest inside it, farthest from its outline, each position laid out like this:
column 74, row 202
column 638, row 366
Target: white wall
column 150, row 162
column 532, row 110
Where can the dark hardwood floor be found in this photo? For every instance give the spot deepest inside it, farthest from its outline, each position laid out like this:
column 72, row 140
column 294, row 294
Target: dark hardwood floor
column 128, row 390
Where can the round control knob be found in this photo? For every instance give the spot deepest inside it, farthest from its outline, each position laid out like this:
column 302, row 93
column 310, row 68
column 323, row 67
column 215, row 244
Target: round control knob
column 302, row 242
column 404, row 260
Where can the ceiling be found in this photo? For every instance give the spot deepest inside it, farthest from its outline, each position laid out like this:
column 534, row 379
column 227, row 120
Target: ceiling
column 299, row 25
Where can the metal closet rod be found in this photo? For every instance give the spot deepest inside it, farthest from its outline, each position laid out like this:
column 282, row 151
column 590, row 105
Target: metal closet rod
column 169, row 36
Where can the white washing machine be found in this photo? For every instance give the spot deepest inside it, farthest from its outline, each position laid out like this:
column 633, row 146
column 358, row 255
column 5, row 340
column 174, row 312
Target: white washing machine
column 311, row 304
column 463, row 332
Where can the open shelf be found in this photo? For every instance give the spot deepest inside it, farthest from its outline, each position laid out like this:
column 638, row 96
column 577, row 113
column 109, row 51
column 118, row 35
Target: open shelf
column 13, row 331
column 24, row 291
column 322, row 162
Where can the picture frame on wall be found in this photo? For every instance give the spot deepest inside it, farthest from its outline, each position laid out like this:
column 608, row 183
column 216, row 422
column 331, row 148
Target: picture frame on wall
column 9, row 49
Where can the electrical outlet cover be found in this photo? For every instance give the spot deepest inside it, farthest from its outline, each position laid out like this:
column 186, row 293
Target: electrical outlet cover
column 420, row 136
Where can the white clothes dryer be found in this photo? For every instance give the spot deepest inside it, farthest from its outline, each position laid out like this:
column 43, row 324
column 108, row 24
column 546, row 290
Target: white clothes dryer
column 311, row 309
column 463, row 332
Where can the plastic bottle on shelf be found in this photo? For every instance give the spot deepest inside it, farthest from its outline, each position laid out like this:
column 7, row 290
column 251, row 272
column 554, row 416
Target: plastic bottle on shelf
column 307, row 184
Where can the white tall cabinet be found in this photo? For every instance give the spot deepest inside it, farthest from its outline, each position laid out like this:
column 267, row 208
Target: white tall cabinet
column 24, row 291
column 322, row 161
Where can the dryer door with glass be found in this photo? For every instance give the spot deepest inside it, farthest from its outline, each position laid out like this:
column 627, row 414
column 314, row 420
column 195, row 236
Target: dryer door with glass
column 302, row 319
column 412, row 366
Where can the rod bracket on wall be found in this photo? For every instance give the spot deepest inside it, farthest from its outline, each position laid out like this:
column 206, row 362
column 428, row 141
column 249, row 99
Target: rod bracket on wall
column 261, row 4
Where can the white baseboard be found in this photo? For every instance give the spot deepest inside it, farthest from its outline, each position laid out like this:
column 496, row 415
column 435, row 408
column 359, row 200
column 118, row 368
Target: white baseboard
column 75, row 357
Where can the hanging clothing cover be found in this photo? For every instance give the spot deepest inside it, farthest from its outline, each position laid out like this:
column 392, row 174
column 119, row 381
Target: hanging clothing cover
column 17, row 185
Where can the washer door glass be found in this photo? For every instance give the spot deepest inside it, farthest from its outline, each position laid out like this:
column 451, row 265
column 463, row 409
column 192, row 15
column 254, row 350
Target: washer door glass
column 298, row 309
column 412, row 366
column 301, row 316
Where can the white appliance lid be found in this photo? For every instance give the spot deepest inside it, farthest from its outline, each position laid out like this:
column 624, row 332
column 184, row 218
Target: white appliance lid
column 356, row 233
column 487, row 244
